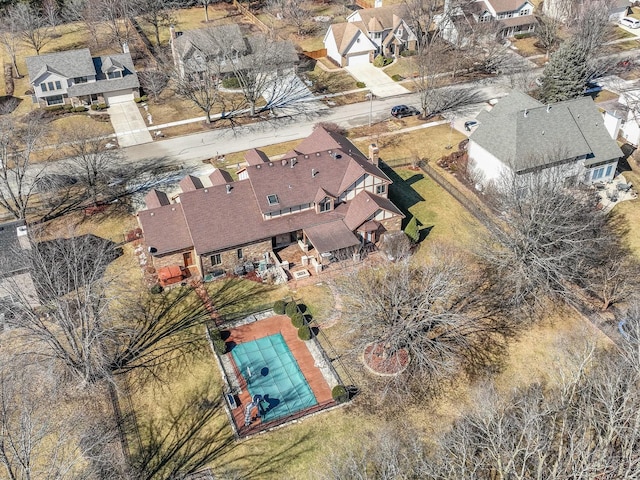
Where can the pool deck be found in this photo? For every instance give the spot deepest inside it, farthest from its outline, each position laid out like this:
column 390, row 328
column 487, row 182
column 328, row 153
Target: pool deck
column 270, row 326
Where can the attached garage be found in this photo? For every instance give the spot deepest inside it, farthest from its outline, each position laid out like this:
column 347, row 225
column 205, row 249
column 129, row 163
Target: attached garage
column 360, row 59
column 119, row 96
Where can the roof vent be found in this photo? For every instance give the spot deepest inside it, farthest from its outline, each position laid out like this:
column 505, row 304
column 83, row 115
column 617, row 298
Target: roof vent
column 271, row 164
column 548, row 108
column 173, row 209
column 206, row 190
column 21, row 230
column 284, row 162
column 329, row 151
column 317, row 154
column 257, row 166
column 151, row 214
column 542, row 132
column 228, row 188
column 293, row 162
column 313, row 172
column 336, row 155
column 526, row 113
column 306, row 156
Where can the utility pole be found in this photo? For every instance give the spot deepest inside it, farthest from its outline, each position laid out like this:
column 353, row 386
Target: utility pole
column 370, row 97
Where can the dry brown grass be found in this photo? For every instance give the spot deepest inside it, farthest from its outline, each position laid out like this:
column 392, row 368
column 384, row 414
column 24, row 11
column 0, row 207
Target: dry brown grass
column 526, row 46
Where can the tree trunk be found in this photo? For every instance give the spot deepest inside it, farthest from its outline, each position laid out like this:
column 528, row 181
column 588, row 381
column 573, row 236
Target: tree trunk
column 157, row 31
column 206, row 13
column 208, row 120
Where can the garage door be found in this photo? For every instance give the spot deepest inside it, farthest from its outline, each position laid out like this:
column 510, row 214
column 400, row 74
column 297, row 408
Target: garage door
column 361, row 59
column 119, row 96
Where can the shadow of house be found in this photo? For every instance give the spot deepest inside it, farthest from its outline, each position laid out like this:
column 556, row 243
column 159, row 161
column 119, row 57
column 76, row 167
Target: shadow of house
column 401, row 193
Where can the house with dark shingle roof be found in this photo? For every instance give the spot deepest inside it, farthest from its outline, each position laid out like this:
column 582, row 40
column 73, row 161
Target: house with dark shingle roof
column 75, row 77
column 325, row 195
column 521, row 135
column 367, row 33
column 224, row 49
column 16, row 283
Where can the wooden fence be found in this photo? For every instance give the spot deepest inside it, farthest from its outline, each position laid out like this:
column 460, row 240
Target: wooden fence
column 315, row 54
column 251, row 17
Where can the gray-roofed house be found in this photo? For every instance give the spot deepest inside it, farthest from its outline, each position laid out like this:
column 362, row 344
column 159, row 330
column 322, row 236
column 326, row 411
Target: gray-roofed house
column 367, row 33
column 325, row 195
column 521, row 135
column 75, row 77
column 224, row 49
column 16, row 283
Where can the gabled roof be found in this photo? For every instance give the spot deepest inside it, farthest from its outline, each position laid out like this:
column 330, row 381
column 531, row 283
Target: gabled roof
column 506, row 5
column 220, row 177
column 345, row 34
column 10, row 261
column 190, row 183
column 523, row 133
column 165, row 228
column 69, row 64
column 211, row 41
column 129, row 77
column 382, row 16
column 255, row 157
column 364, row 205
column 155, row 199
column 328, row 237
column 109, row 64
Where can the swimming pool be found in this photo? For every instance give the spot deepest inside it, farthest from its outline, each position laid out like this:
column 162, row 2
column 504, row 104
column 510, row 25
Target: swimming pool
column 271, row 371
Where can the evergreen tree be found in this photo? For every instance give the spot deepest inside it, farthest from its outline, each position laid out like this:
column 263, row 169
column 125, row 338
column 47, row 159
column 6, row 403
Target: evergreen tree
column 565, row 76
column 412, row 231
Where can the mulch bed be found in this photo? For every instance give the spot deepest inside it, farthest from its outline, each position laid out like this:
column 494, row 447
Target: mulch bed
column 391, row 365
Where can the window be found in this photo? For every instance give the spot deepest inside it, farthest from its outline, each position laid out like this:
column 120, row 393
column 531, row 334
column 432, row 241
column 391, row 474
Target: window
column 272, row 199
column 116, row 74
column 55, row 100
column 597, row 173
column 325, row 205
column 80, row 80
column 526, row 11
column 510, row 14
column 239, row 253
column 380, row 189
column 43, row 86
column 215, row 259
column 58, row 85
column 609, row 168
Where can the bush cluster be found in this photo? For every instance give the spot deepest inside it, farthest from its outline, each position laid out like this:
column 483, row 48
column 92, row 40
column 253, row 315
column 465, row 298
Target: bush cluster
column 279, row 307
column 156, row 289
column 361, row 84
column 98, row 106
column 141, row 99
column 55, row 108
column 230, row 82
column 219, row 345
column 520, row 36
column 304, row 333
column 291, row 308
column 397, row 77
column 297, row 320
column 340, row 394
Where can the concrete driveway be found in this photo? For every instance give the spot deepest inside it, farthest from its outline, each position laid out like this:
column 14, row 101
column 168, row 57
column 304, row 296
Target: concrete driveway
column 376, row 80
column 128, row 124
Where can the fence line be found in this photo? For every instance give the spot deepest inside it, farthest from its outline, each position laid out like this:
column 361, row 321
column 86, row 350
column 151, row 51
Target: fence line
column 252, row 18
column 315, row 54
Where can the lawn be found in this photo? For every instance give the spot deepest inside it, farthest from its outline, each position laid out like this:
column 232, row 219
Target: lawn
column 630, row 209
column 403, row 66
column 526, row 46
column 330, row 82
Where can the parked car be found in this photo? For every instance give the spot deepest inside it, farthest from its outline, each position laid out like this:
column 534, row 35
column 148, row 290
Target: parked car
column 630, row 22
column 400, row 111
column 469, row 124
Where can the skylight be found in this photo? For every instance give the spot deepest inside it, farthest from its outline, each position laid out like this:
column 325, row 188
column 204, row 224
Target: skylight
column 272, row 199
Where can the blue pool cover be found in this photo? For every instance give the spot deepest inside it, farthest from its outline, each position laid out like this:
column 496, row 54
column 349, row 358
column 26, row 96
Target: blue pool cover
column 272, row 372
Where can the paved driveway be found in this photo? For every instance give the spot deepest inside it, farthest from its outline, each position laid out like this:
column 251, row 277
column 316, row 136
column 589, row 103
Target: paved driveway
column 376, row 80
column 128, row 124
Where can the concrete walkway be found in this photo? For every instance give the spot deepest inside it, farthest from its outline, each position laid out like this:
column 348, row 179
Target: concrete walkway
column 128, row 124
column 376, row 80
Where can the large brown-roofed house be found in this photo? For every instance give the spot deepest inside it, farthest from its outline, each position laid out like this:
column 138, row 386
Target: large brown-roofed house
column 325, row 195
column 368, row 33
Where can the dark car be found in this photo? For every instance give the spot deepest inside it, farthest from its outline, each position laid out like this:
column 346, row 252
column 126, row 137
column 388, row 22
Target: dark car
column 468, row 125
column 400, row 111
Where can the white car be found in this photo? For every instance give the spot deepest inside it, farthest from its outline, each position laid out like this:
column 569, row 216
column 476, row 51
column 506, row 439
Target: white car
column 630, row 22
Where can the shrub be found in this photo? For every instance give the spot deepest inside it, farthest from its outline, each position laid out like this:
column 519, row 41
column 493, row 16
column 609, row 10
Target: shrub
column 361, row 84
column 230, row 82
column 279, row 307
column 340, row 394
column 68, row 107
column 412, row 231
column 98, row 106
column 219, row 345
column 520, row 36
column 304, row 333
column 54, row 108
column 297, row 320
column 291, row 309
column 141, row 99
column 408, row 53
column 378, row 61
column 156, row 289
column 397, row 77
column 80, row 109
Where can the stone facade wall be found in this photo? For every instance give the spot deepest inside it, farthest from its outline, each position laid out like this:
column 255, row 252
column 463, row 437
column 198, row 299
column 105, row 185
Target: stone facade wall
column 250, row 253
column 170, row 259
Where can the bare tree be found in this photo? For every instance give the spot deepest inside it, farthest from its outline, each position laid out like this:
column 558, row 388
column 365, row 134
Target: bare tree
column 294, row 12
column 552, row 235
column 205, row 4
column 88, row 12
column 153, row 82
column 433, row 312
column 51, row 12
column 18, row 173
column 116, row 15
column 158, row 14
column 9, row 36
column 547, row 33
column 34, row 31
column 201, row 89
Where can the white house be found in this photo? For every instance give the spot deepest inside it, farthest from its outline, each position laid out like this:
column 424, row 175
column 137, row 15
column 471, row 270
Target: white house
column 74, row 77
column 624, row 116
column 567, row 10
column 367, row 33
column 513, row 17
column 523, row 136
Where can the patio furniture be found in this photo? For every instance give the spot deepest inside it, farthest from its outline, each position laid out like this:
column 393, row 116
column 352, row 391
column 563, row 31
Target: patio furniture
column 300, row 274
column 623, row 187
column 249, row 267
column 239, row 270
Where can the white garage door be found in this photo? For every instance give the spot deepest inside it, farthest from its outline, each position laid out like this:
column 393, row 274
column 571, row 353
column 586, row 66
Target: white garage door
column 361, row 59
column 119, row 96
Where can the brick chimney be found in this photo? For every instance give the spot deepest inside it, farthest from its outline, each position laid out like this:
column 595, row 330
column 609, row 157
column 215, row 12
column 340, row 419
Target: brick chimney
column 374, row 154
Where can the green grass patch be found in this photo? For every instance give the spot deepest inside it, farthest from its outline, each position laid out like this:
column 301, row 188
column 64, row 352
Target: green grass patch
column 318, row 300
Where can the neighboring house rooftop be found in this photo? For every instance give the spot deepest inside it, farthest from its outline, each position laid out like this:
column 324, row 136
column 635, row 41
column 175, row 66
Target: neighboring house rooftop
column 505, row 5
column 527, row 134
column 212, row 41
column 103, row 65
column 13, row 236
column 70, row 64
column 382, row 18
